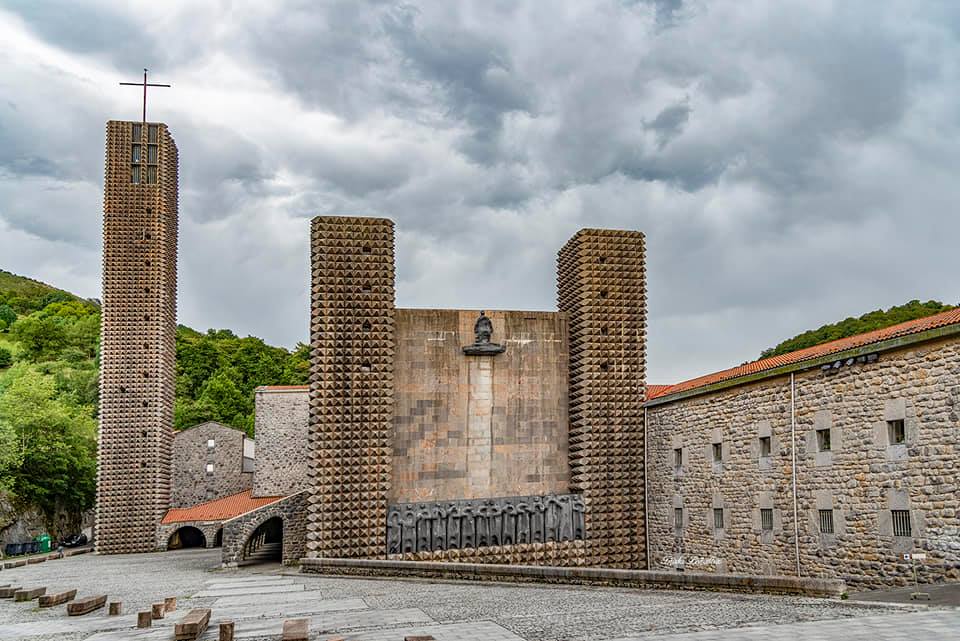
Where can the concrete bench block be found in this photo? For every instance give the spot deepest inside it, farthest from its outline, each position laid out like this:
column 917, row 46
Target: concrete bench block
column 50, row 600
column 170, row 604
column 86, row 605
column 425, row 637
column 29, row 595
column 14, row 564
column 226, row 631
column 296, row 629
column 8, row 592
column 36, row 559
column 116, row 607
column 192, row 625
column 144, row 619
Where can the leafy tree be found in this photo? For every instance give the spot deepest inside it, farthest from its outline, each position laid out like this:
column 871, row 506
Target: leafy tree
column 852, row 326
column 41, row 338
column 6, row 358
column 7, row 315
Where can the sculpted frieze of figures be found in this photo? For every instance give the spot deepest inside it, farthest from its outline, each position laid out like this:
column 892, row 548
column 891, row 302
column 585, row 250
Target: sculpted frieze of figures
column 472, row 523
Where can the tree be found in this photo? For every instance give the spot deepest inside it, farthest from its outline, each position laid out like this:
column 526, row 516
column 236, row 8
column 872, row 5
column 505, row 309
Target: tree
column 6, row 358
column 41, row 338
column 7, row 315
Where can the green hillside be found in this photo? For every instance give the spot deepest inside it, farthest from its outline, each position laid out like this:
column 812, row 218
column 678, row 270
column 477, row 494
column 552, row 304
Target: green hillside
column 49, row 368
column 852, row 326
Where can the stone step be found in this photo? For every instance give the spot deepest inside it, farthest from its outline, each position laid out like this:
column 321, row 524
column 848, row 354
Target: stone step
column 86, row 605
column 50, row 600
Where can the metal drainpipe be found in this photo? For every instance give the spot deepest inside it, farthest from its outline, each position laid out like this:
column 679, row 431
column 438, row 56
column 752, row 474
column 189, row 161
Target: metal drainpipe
column 646, row 500
column 793, row 468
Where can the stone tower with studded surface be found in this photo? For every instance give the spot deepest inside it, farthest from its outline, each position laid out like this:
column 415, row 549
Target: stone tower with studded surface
column 137, row 335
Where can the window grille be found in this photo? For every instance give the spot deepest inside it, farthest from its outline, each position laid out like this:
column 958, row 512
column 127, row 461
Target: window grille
column 137, row 132
column 897, row 432
column 901, row 522
column 823, row 440
column 718, row 518
column 152, row 154
column 151, row 174
column 718, row 452
column 151, row 133
column 135, row 153
column 766, row 518
column 678, row 518
column 764, row 446
column 135, row 174
column 826, row 521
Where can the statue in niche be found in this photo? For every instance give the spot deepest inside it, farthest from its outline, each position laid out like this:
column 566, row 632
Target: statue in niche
column 453, row 526
column 523, row 522
column 579, row 522
column 496, row 523
column 409, row 532
column 439, row 517
column 537, row 529
column 483, row 523
column 482, row 332
column 566, row 518
column 394, row 532
column 423, row 529
column 551, row 519
column 509, row 536
column 467, row 528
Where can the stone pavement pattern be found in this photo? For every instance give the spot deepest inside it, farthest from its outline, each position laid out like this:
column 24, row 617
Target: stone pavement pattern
column 258, row 599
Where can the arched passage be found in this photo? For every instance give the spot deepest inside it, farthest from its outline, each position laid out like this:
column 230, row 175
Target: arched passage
column 218, row 538
column 186, row 537
column 265, row 543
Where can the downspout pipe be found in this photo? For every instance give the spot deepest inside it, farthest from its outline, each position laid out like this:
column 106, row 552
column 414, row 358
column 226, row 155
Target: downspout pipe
column 646, row 494
column 793, row 468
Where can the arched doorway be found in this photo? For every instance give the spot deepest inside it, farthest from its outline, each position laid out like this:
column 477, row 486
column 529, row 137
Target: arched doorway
column 186, row 537
column 266, row 542
column 218, row 538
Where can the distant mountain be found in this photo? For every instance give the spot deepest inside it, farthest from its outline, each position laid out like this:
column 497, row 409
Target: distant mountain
column 25, row 295
column 852, row 326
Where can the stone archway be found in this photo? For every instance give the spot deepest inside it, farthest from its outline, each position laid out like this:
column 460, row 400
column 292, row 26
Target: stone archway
column 186, row 537
column 218, row 538
column 265, row 543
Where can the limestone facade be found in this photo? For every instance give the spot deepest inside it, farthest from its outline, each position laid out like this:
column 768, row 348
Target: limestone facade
column 208, row 463
column 281, row 425
column 722, row 467
column 137, row 335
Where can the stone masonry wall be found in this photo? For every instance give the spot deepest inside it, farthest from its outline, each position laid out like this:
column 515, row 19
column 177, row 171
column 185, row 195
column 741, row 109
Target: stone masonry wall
column 291, row 510
column 192, row 482
column 469, row 427
column 860, row 479
column 281, row 427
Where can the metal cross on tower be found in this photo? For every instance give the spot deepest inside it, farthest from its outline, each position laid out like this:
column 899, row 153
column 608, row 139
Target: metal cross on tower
column 144, row 84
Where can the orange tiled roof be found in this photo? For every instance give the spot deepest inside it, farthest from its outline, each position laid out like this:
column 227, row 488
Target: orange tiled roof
column 282, row 388
column 219, row 509
column 915, row 326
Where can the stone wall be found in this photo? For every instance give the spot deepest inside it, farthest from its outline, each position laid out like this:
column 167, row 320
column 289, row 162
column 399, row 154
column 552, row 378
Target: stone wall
column 193, row 480
column 291, row 510
column 859, row 480
column 281, row 426
column 469, row 427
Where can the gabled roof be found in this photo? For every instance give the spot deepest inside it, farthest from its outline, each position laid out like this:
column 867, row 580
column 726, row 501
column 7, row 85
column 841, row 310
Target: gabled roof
column 916, row 326
column 220, row 509
column 217, row 423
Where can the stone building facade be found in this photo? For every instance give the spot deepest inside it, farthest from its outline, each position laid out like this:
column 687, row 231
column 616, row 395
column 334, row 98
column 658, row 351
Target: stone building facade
column 526, row 447
column 830, row 462
column 210, row 461
column 137, row 335
column 282, row 414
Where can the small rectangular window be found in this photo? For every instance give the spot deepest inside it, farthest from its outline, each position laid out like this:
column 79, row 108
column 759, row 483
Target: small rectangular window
column 151, row 133
column 209, row 468
column 718, row 518
column 826, row 521
column 678, row 457
column 766, row 518
column 136, row 132
column 718, row 452
column 901, row 523
column 823, row 440
column 678, row 518
column 152, row 154
column 764, row 446
column 896, row 432
column 135, row 174
column 135, row 153
column 151, row 174
column 211, row 443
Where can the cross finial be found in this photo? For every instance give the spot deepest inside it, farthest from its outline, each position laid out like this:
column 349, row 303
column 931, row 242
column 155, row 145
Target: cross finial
column 144, row 84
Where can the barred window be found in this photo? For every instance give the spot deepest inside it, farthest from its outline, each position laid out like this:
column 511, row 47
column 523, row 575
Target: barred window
column 135, row 153
column 901, row 522
column 136, row 132
column 151, row 174
column 823, row 440
column 718, row 452
column 718, row 518
column 152, row 154
column 151, row 133
column 135, row 174
column 678, row 457
column 678, row 518
column 764, row 446
column 896, row 432
column 826, row 521
column 766, row 518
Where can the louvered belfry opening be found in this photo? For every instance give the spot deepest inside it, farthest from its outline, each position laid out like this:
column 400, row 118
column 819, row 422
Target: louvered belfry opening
column 351, row 385
column 137, row 336
column 602, row 287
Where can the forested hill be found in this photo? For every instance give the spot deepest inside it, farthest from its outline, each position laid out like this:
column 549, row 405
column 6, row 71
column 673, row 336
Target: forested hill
column 852, row 326
column 49, row 367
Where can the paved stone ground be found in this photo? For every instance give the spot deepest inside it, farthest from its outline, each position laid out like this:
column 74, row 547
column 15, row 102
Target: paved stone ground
column 258, row 598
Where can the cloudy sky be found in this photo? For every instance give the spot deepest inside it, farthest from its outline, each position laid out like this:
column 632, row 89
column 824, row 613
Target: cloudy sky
column 791, row 162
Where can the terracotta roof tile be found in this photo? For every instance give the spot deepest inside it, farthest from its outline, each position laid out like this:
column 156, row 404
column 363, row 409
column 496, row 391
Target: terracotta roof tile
column 282, row 388
column 219, row 509
column 915, row 326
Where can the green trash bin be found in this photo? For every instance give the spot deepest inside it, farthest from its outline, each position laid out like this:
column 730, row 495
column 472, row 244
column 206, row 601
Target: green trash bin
column 44, row 541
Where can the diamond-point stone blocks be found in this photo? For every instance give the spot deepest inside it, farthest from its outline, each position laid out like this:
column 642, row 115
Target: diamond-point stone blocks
column 138, row 328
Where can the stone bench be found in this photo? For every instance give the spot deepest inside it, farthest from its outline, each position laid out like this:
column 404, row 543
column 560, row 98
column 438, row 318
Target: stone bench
column 14, row 564
column 296, row 629
column 86, row 605
column 192, row 625
column 29, row 595
column 50, row 600
column 8, row 591
column 36, row 559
